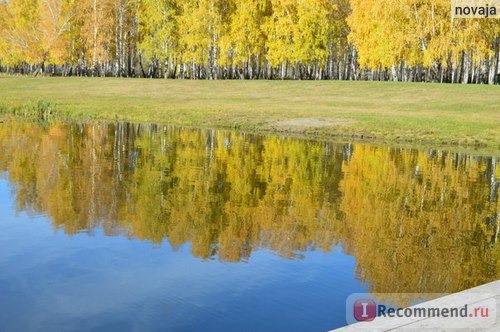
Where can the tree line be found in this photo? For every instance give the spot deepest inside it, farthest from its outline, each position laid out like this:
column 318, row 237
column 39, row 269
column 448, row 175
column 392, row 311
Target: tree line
column 402, row 40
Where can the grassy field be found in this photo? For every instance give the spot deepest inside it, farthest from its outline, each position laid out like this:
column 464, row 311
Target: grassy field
column 416, row 113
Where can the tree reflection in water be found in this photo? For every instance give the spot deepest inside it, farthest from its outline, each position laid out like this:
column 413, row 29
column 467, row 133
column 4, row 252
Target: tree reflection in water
column 416, row 221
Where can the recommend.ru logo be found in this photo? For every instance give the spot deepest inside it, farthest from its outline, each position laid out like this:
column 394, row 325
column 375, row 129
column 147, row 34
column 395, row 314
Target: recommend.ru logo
column 365, row 310
column 372, row 311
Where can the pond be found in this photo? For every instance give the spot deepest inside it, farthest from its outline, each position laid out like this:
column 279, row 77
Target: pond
column 121, row 227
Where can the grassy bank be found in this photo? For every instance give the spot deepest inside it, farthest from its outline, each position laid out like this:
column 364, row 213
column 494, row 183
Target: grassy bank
column 419, row 113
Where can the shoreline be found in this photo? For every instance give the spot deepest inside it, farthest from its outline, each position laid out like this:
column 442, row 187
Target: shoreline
column 420, row 115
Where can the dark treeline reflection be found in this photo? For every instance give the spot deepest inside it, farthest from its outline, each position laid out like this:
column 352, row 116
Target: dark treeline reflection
column 416, row 221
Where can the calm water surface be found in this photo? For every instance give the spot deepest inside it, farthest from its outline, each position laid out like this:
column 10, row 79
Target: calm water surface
column 121, row 227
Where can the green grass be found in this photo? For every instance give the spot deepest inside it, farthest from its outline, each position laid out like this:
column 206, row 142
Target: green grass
column 416, row 113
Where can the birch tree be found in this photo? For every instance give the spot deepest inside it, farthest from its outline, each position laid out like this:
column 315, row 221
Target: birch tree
column 158, row 34
column 244, row 46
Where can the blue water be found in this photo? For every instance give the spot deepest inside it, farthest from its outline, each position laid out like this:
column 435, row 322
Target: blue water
column 140, row 227
column 90, row 282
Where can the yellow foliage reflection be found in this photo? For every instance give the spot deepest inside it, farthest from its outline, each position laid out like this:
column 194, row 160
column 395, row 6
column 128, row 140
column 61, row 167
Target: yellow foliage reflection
column 416, row 221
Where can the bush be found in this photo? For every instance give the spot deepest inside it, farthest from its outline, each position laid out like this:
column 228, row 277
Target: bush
column 40, row 110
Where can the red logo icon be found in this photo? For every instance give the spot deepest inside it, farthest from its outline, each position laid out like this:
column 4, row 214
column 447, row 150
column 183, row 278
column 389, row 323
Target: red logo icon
column 365, row 310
